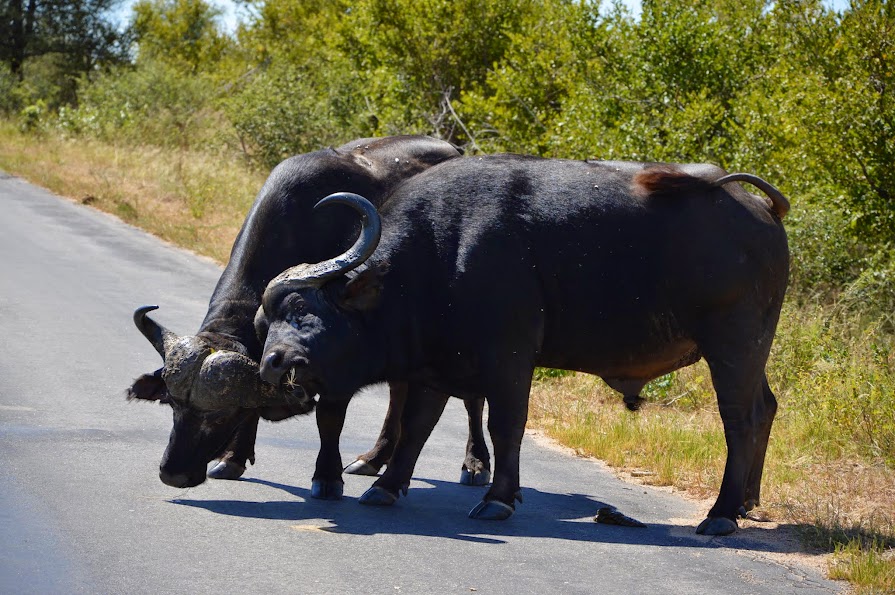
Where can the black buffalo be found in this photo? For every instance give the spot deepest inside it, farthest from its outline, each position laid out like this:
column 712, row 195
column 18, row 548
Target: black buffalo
column 211, row 379
column 490, row 266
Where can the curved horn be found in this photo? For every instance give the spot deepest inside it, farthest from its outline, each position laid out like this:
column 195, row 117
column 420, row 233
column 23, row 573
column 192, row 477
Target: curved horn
column 315, row 275
column 779, row 204
column 160, row 337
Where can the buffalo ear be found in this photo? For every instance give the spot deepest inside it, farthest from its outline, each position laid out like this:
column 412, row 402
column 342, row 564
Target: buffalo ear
column 365, row 289
column 148, row 387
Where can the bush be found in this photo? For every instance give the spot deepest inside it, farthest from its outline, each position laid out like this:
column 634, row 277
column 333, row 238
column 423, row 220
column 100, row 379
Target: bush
column 9, row 100
column 31, row 117
column 284, row 109
column 872, row 294
column 152, row 103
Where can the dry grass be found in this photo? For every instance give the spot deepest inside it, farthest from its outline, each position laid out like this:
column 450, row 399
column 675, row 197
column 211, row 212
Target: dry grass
column 829, row 469
column 194, row 200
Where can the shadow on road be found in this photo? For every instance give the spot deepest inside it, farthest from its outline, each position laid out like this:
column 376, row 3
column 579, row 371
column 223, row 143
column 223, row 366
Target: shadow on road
column 439, row 508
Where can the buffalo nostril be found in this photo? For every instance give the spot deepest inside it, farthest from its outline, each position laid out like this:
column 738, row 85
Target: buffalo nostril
column 272, row 367
column 275, row 360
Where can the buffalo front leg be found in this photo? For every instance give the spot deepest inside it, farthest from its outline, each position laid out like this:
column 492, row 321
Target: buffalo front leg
column 371, row 462
column 239, row 451
column 422, row 411
column 507, row 414
column 327, row 483
column 477, row 465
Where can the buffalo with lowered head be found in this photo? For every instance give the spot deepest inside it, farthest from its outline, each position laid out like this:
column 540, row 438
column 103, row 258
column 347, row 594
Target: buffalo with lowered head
column 490, row 266
column 210, row 379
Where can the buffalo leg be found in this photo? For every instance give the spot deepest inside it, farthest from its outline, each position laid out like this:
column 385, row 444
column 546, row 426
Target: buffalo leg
column 753, row 482
column 327, row 483
column 239, row 451
column 371, row 462
column 507, row 414
column 737, row 361
column 477, row 465
column 422, row 411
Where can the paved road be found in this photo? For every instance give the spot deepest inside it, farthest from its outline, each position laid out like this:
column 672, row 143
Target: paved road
column 82, row 509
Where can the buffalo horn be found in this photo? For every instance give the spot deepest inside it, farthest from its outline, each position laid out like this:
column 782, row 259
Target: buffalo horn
column 315, row 275
column 160, row 337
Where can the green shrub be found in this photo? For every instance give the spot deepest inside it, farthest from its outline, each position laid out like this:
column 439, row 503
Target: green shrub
column 152, row 103
column 284, row 109
column 9, row 100
column 31, row 117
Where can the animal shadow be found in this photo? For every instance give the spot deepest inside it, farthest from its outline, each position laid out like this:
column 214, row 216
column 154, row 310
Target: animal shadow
column 438, row 509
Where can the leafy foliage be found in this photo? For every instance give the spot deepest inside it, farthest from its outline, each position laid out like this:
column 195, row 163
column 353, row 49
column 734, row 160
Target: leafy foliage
column 151, row 104
column 180, row 32
column 789, row 90
column 65, row 37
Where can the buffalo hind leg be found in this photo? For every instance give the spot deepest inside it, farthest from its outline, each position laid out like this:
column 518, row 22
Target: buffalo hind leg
column 327, row 482
column 422, row 411
column 239, row 451
column 763, row 433
column 747, row 411
column 371, row 462
column 477, row 465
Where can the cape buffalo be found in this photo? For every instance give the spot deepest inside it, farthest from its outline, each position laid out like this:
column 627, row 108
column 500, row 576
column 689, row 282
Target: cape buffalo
column 490, row 266
column 211, row 379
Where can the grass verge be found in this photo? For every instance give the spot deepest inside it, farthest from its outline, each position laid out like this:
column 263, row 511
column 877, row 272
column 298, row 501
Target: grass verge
column 830, row 468
column 191, row 199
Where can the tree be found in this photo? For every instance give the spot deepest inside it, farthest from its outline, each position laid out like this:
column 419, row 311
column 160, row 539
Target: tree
column 419, row 56
column 77, row 30
column 183, row 33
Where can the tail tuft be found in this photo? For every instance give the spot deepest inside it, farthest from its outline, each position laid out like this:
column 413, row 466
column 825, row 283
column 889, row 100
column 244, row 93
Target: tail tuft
column 666, row 179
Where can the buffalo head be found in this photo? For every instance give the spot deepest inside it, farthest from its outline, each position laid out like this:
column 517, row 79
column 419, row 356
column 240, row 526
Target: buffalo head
column 211, row 391
column 315, row 316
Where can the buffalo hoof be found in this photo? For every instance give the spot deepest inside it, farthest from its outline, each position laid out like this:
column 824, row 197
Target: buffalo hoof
column 377, row 496
column 226, row 470
column 716, row 526
column 479, row 478
column 326, row 490
column 491, row 510
column 361, row 467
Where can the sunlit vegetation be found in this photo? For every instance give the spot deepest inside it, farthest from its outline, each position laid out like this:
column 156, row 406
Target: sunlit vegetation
column 172, row 123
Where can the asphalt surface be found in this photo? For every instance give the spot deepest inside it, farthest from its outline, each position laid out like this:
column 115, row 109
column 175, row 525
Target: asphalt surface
column 82, row 509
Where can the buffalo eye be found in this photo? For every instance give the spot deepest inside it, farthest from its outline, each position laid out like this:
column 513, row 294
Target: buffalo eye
column 295, row 309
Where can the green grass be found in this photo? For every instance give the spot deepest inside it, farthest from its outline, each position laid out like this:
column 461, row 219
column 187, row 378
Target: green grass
column 870, row 568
